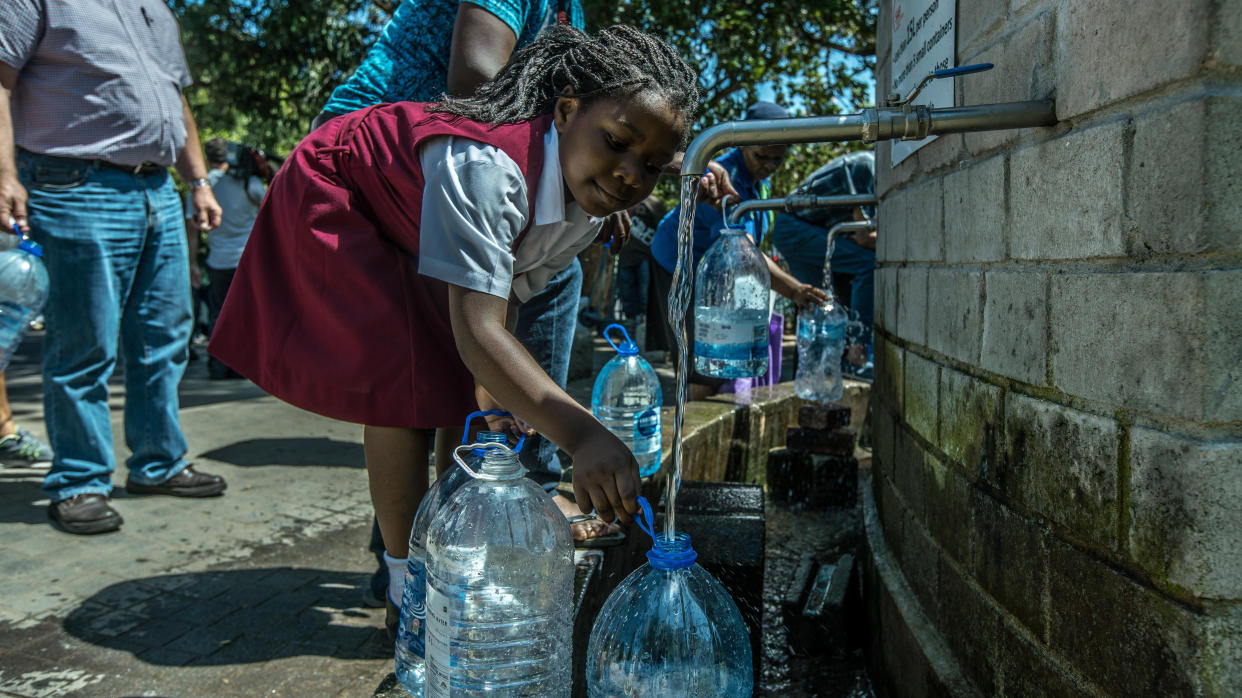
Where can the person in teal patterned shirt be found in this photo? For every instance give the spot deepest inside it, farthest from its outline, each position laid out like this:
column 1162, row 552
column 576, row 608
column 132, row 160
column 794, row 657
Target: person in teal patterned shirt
column 431, row 47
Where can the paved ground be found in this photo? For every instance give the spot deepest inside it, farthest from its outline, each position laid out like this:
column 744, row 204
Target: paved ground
column 253, row 593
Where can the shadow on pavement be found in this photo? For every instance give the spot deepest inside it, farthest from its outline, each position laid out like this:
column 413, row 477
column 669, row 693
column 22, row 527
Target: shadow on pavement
column 232, row 617
column 17, row 500
column 290, row 451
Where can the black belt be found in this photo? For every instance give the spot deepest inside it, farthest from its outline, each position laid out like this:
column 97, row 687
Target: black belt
column 146, row 168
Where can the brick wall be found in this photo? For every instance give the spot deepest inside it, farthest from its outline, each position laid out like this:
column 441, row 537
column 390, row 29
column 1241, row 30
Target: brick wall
column 1058, row 405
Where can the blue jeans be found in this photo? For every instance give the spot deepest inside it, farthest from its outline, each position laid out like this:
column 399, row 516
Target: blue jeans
column 114, row 245
column 545, row 327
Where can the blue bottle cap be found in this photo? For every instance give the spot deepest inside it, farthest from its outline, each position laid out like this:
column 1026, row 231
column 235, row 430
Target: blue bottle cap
column 628, row 347
column 665, row 554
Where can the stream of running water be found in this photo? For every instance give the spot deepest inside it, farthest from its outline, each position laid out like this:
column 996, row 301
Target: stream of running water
column 678, row 303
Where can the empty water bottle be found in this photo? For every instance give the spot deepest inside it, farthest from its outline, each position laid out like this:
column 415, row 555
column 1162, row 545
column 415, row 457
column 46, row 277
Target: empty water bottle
column 669, row 629
column 731, row 308
column 821, row 343
column 23, row 291
column 627, row 400
column 411, row 631
column 500, row 576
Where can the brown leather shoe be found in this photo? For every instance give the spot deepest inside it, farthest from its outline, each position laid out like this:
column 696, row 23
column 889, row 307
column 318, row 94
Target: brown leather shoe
column 84, row 514
column 187, row 483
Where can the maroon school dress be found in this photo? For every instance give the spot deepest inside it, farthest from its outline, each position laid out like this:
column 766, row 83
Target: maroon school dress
column 327, row 310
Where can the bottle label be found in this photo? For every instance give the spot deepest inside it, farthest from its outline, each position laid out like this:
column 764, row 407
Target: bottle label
column 440, row 610
column 728, row 340
column 412, row 603
column 647, row 424
column 647, row 433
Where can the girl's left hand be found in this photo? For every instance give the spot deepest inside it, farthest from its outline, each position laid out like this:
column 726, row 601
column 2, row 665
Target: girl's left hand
column 807, row 296
column 615, row 231
column 510, row 425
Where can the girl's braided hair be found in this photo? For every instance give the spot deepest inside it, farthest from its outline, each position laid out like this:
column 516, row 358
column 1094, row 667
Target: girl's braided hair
column 616, row 61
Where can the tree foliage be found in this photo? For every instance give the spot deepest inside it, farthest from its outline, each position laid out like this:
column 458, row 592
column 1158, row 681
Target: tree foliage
column 264, row 68
column 816, row 57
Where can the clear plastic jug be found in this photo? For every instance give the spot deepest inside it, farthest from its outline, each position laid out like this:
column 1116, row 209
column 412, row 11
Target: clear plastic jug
column 23, row 291
column 626, row 399
column 821, row 343
column 731, row 312
column 500, row 576
column 411, row 631
column 669, row 629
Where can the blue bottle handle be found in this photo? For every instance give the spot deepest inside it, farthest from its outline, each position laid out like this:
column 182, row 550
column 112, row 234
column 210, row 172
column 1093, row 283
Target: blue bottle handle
column 962, row 70
column 662, row 559
column 25, row 244
column 624, row 333
column 465, row 432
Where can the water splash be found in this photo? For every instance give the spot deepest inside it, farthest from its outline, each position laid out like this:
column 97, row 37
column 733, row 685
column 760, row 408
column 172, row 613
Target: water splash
column 678, row 303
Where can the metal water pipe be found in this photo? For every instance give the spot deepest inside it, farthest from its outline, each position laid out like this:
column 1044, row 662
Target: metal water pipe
column 798, row 202
column 897, row 120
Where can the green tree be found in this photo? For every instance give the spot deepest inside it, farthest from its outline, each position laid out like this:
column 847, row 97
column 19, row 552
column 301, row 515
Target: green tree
column 264, row 68
column 817, row 57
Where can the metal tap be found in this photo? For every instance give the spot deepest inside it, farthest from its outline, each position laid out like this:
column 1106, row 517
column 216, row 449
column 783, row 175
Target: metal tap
column 897, row 120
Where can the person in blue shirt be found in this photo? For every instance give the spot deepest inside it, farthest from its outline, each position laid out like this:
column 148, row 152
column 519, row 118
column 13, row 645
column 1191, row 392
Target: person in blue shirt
column 433, row 47
column 748, row 168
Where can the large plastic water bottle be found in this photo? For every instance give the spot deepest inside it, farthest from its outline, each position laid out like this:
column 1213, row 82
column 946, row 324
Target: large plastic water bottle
column 669, row 629
column 731, row 308
column 627, row 400
column 500, row 577
column 23, row 291
column 411, row 631
column 821, row 342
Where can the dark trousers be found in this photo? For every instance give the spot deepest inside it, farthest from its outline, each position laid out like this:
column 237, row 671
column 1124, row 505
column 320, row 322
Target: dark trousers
column 217, row 290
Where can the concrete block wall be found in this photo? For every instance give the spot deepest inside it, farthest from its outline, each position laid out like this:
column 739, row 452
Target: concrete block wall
column 1057, row 411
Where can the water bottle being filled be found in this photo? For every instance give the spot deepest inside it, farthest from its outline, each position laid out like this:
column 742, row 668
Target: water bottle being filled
column 626, row 399
column 731, row 312
column 821, row 342
column 23, row 291
column 500, row 578
column 411, row 631
column 822, row 337
column 669, row 629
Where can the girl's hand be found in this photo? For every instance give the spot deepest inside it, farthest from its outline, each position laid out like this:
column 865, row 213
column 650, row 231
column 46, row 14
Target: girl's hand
column 807, row 296
column 510, row 425
column 606, row 477
column 615, row 231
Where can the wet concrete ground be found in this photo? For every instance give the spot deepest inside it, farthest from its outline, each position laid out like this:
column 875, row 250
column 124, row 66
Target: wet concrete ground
column 833, row 668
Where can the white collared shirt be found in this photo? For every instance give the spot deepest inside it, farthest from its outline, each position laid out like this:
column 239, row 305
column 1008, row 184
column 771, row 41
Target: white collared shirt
column 475, row 205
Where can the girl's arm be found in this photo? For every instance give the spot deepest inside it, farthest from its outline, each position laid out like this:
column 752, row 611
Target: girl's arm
column 803, row 295
column 605, row 473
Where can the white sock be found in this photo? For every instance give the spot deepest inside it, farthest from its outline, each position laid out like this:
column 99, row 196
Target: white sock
column 396, row 578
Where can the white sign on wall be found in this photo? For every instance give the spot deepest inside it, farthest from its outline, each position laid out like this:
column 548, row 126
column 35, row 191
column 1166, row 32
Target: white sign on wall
column 924, row 40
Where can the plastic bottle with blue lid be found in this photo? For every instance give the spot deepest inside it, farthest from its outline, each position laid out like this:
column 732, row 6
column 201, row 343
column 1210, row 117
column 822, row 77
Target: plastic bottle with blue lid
column 411, row 631
column 669, row 629
column 500, row 576
column 627, row 399
column 23, row 292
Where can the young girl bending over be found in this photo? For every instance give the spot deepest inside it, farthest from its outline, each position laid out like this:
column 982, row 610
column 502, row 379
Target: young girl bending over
column 382, row 277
